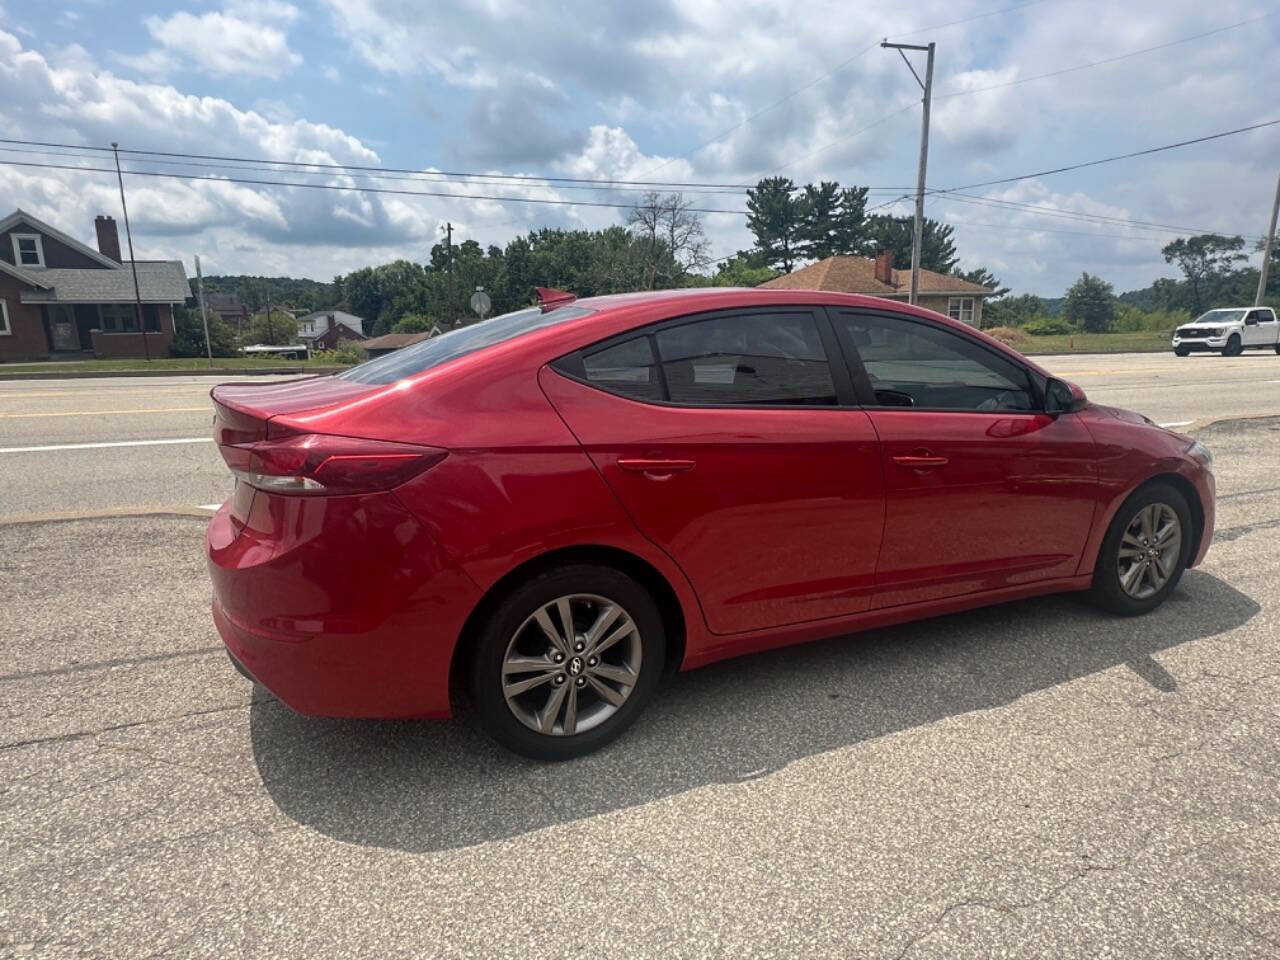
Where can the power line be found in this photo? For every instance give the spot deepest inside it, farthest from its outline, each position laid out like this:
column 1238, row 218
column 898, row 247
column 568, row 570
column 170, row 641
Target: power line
column 1122, row 156
column 825, row 76
column 352, row 189
column 1068, row 214
column 1100, row 63
column 316, row 165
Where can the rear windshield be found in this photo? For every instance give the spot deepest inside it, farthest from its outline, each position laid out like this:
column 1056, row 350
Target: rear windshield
column 431, row 353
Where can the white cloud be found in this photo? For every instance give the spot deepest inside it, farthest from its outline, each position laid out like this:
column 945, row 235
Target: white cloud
column 243, row 40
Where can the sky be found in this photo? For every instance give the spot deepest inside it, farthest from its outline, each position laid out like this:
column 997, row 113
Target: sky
column 685, row 91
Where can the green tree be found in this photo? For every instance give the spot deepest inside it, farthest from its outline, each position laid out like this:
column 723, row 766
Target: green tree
column 746, row 268
column 774, row 217
column 983, row 278
column 188, row 338
column 1012, row 311
column 851, row 222
column 818, row 234
column 1206, row 260
column 1090, row 305
column 277, row 329
column 413, row 323
column 937, row 248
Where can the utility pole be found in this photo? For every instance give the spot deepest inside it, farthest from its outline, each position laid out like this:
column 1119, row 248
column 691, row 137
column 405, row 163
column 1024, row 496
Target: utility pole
column 271, row 330
column 927, row 86
column 1266, row 249
column 204, row 317
column 449, row 246
column 137, row 293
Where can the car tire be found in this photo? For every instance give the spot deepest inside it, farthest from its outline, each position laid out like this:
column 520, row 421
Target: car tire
column 579, row 703
column 1234, row 346
column 1116, row 586
column 1182, row 351
column 1278, row 348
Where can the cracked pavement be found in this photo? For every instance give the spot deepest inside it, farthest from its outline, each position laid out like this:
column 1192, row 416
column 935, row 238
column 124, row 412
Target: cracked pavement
column 1032, row 780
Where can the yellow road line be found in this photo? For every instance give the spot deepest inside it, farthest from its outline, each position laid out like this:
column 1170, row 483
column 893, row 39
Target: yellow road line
column 83, row 393
column 96, row 413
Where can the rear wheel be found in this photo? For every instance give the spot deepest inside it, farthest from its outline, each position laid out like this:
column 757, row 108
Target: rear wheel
column 1145, row 551
column 567, row 661
column 1234, row 346
column 1182, row 351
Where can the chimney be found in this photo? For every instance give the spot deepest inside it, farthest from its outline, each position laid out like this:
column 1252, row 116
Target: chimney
column 108, row 237
column 884, row 267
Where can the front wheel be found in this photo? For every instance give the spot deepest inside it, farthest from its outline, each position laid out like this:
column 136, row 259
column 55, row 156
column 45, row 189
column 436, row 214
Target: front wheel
column 567, row 661
column 1145, row 551
column 1234, row 346
column 1278, row 348
column 1182, row 351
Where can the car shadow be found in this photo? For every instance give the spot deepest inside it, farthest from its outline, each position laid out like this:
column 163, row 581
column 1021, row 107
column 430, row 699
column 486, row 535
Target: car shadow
column 420, row 786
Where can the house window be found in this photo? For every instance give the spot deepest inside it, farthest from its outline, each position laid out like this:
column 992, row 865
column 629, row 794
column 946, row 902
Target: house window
column 961, row 308
column 5, row 329
column 118, row 317
column 28, row 249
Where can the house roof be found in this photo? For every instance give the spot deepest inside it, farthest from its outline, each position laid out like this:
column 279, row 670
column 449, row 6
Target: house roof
column 22, row 274
column 394, row 341
column 348, row 320
column 858, row 275
column 21, row 216
column 159, row 281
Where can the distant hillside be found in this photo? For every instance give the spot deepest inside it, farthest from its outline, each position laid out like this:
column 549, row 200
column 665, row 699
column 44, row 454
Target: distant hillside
column 1144, row 299
column 253, row 291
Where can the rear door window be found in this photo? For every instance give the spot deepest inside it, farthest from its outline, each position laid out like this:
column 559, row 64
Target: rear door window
column 751, row 359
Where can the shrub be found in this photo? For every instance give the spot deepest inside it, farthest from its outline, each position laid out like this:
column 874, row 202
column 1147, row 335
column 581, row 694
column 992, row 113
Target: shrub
column 188, row 340
column 1010, row 335
column 413, row 323
column 1047, row 327
column 346, row 352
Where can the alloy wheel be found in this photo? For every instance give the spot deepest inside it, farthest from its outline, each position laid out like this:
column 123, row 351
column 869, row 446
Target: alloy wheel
column 571, row 665
column 1149, row 551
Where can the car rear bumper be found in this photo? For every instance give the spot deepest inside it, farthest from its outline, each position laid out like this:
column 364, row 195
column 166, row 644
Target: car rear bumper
column 340, row 606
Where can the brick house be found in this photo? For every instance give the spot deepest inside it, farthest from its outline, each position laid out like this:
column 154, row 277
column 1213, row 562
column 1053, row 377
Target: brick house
column 947, row 295
column 60, row 297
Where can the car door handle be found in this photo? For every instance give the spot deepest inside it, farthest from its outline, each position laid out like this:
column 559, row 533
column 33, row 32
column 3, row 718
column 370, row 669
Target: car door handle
column 654, row 469
column 920, row 461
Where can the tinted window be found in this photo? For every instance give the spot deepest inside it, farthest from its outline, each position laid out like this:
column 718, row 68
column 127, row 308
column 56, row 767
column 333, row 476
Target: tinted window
column 456, row 343
column 917, row 365
column 759, row 359
column 626, row 368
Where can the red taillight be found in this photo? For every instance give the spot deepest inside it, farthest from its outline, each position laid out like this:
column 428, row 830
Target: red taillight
column 316, row 463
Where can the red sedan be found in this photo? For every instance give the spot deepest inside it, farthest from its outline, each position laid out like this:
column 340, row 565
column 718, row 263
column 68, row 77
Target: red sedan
column 550, row 509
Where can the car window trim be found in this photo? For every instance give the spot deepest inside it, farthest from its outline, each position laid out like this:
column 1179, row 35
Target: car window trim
column 862, row 379
column 572, row 365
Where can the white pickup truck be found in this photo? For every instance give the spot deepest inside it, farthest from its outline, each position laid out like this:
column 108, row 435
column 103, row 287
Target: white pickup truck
column 1229, row 332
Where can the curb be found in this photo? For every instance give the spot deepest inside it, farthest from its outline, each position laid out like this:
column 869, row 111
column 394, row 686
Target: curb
column 205, row 372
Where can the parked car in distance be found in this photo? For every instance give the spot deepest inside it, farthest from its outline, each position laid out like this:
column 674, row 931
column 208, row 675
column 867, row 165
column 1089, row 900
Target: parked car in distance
column 552, row 509
column 1229, row 331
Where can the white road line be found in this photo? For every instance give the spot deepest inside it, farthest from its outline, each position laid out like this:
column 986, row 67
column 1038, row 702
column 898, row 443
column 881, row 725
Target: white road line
column 1177, row 423
column 100, row 446
column 215, row 507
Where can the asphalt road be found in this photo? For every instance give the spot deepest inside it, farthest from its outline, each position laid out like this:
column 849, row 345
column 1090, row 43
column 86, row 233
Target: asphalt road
column 1032, row 780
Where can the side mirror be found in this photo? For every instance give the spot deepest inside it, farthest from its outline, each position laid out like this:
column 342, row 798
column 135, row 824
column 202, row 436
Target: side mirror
column 1062, row 396
column 1250, row 321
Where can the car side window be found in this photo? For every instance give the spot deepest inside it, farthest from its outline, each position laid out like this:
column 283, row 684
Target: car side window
column 626, row 368
column 757, row 359
column 916, row 364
